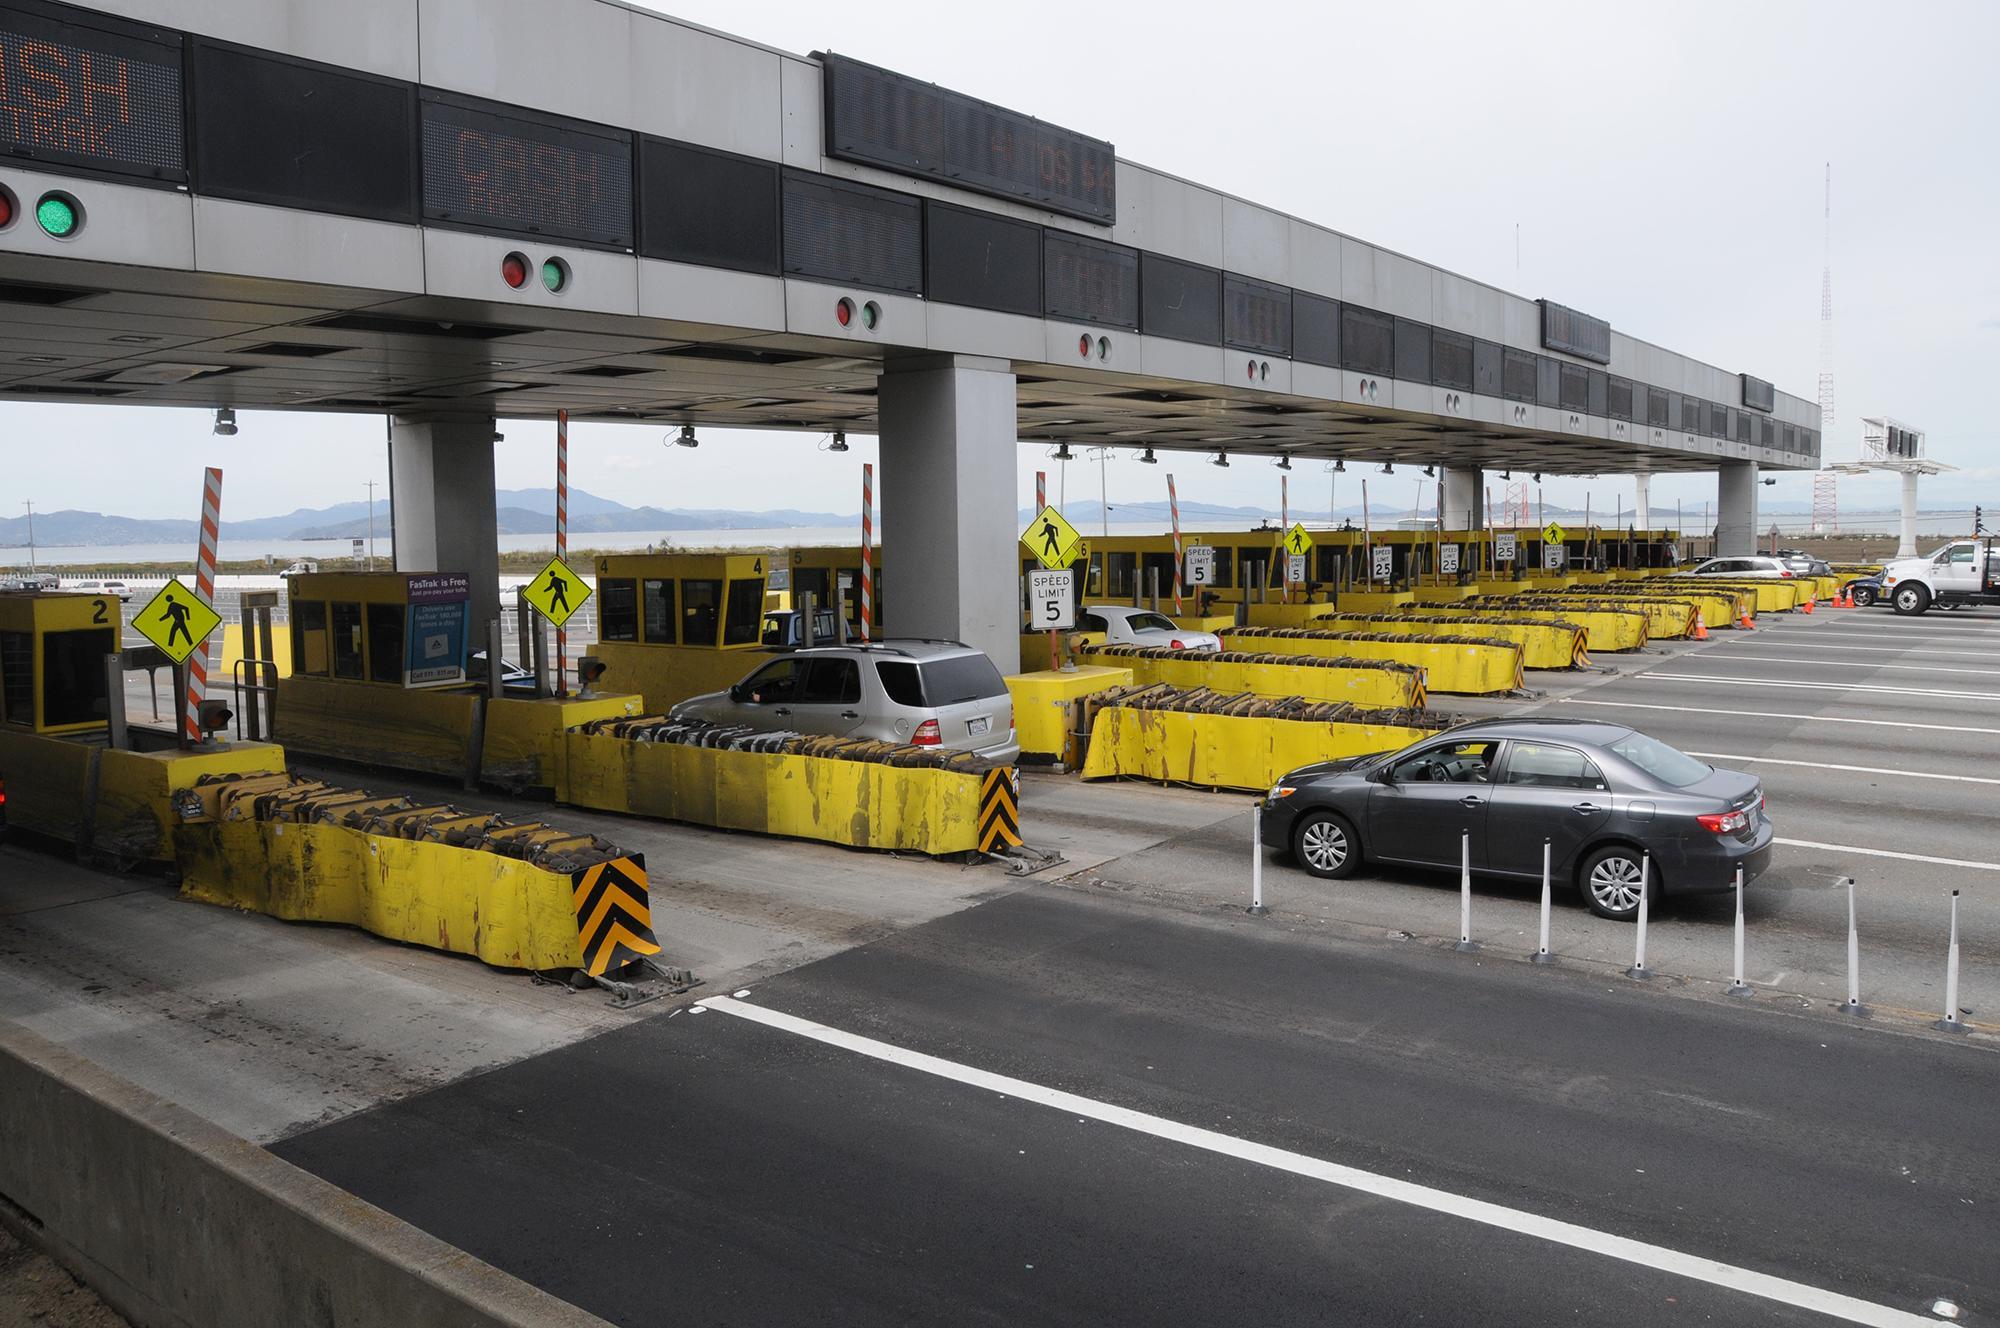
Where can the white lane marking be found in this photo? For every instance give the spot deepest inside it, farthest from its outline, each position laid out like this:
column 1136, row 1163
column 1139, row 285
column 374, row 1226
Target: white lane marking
column 1889, row 853
column 1745, row 1280
column 1863, row 664
column 1816, row 686
column 1777, row 714
column 1851, row 769
column 1881, row 650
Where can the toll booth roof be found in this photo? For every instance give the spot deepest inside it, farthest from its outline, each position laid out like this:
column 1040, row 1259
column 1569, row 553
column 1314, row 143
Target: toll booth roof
column 750, row 564
column 379, row 587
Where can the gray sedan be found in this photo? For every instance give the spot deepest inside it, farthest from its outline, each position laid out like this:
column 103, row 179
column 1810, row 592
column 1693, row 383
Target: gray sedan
column 1600, row 795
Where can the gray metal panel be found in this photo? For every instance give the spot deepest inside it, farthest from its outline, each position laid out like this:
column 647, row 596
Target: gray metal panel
column 686, row 292
column 1366, row 389
column 1466, row 306
column 1162, row 358
column 121, row 224
column 1490, row 410
column 955, row 328
column 252, row 240
column 1522, row 323
column 1311, row 380
column 809, row 308
column 1256, row 241
column 1111, row 349
column 1168, row 216
column 466, row 266
column 1403, row 286
column 1254, row 372
column 1315, row 259
column 799, row 86
column 379, row 36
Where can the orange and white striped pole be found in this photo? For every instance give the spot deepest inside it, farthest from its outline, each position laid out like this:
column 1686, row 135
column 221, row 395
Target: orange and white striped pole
column 1174, row 511
column 204, row 589
column 562, row 540
column 1285, row 524
column 867, row 550
column 1041, row 491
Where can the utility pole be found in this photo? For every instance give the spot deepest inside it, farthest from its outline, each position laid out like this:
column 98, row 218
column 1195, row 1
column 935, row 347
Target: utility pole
column 1826, row 483
column 371, row 525
column 31, row 536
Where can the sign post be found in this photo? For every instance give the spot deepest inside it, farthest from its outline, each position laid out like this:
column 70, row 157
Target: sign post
column 562, row 539
column 867, row 551
column 204, row 589
column 1174, row 511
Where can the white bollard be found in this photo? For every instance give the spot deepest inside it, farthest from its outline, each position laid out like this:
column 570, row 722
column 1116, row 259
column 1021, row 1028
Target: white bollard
column 1853, row 1003
column 1739, row 987
column 1541, row 954
column 1951, row 1023
column 1639, row 969
column 1257, row 860
column 1465, row 942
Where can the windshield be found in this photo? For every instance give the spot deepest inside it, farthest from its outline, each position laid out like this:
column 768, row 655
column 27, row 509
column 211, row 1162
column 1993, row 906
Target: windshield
column 1662, row 762
column 1150, row 622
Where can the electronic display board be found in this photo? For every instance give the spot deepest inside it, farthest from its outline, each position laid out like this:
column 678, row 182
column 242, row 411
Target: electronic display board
column 1367, row 341
column 91, row 92
column 1758, row 394
column 697, row 205
column 1619, row 406
column 1413, row 351
column 1575, row 334
column 837, row 231
column 1180, row 300
column 1315, row 329
column 496, row 168
column 1256, row 316
column 983, row 261
column 1517, row 374
column 1573, row 388
column 1451, row 359
column 901, row 124
column 1089, row 280
column 1486, row 361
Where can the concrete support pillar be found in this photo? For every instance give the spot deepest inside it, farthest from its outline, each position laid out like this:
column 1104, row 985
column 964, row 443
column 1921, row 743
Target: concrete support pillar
column 1464, row 499
column 1906, row 545
column 1642, row 501
column 1736, row 509
column 442, row 494
column 949, row 529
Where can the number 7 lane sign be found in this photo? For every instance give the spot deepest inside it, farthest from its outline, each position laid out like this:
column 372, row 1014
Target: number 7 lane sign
column 1049, row 602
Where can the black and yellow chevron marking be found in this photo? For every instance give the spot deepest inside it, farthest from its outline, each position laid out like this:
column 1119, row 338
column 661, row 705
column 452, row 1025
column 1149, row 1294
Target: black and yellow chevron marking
column 1422, row 700
column 999, row 810
column 1579, row 654
column 614, row 920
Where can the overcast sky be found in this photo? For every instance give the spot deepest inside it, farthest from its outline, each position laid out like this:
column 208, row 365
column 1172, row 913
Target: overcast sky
column 1663, row 163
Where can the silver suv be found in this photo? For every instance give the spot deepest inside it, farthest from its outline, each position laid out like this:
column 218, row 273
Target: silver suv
column 926, row 693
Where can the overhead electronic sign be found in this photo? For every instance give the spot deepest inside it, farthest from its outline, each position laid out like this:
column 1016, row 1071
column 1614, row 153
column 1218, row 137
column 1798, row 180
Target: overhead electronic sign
column 1574, row 333
column 97, row 94
column 901, row 124
column 502, row 169
column 1090, row 281
column 844, row 232
column 1758, row 394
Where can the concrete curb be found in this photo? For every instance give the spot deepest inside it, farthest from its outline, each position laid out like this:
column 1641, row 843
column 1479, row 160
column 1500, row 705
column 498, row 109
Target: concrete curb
column 177, row 1223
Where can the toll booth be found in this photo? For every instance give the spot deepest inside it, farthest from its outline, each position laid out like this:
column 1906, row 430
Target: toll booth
column 827, row 572
column 675, row 625
column 52, row 649
column 395, row 629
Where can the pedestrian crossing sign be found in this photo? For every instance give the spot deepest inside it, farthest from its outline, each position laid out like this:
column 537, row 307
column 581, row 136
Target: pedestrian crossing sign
column 556, row 592
column 1298, row 540
column 176, row 620
column 1052, row 540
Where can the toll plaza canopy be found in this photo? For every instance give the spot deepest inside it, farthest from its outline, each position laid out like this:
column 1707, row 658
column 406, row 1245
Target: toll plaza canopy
column 531, row 204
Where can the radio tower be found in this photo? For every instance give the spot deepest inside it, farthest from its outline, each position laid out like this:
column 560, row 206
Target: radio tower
column 1826, row 493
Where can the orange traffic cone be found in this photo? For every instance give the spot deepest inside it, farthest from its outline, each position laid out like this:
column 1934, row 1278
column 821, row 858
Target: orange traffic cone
column 1700, row 630
column 1807, row 606
column 1745, row 623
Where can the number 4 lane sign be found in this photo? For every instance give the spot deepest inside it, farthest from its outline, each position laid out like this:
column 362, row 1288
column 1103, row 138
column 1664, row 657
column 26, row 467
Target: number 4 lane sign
column 1049, row 601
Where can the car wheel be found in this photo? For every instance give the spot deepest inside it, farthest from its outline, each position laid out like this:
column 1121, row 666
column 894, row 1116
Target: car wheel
column 1610, row 882
column 1325, row 845
column 1863, row 596
column 1912, row 599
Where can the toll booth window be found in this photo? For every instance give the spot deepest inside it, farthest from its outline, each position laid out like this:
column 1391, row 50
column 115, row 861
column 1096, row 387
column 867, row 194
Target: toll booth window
column 1122, row 569
column 309, row 645
column 1160, row 565
column 385, row 643
column 617, row 609
column 1224, row 565
column 659, row 617
column 347, row 640
column 17, row 677
column 811, row 581
column 73, row 685
column 701, row 612
column 832, row 682
column 745, row 621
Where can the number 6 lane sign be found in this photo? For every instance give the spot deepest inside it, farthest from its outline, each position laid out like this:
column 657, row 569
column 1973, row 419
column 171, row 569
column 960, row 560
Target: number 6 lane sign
column 1049, row 600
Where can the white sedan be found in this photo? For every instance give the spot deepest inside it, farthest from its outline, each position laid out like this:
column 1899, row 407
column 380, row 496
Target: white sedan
column 1753, row 567
column 1122, row 625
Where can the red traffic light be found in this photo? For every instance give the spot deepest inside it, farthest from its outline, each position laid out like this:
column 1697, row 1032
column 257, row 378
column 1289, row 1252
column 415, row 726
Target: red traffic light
column 514, row 270
column 6, row 209
column 843, row 311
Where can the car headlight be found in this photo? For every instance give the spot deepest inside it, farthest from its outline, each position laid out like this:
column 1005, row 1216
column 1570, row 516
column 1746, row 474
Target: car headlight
column 1279, row 791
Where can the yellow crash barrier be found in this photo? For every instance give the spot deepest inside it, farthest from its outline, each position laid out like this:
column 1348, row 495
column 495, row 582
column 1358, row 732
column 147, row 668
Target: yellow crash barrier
column 512, row 894
column 1240, row 742
column 1369, row 682
column 1473, row 666
column 836, row 790
column 1545, row 644
column 1044, row 701
column 1609, row 625
column 1713, row 608
column 1773, row 594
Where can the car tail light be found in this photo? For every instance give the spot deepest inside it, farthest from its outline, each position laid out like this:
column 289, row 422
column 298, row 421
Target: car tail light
column 928, row 734
column 1785, row 572
column 1725, row 823
column 1177, row 644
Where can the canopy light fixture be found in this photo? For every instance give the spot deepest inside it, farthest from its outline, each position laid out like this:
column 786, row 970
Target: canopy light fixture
column 1430, row 472
column 1388, row 468
column 686, row 437
column 1146, row 458
column 225, row 422
column 1284, row 463
column 1221, row 459
column 1062, row 453
column 839, row 443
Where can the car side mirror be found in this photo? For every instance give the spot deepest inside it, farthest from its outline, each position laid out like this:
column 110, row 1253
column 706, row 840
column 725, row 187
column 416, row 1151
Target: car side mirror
column 1386, row 775
column 739, row 693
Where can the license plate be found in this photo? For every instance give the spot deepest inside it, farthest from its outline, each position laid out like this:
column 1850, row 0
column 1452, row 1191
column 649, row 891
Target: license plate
column 977, row 726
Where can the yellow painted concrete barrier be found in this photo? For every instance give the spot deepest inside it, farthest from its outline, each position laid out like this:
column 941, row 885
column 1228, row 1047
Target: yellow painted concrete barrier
column 1468, row 665
column 1236, row 742
column 1044, row 701
column 1717, row 605
column 513, row 894
column 836, row 790
column 1545, row 644
column 1610, row 625
column 1773, row 594
column 1369, row 682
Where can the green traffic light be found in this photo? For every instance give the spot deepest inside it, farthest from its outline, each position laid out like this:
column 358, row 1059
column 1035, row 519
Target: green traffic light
column 57, row 215
column 555, row 275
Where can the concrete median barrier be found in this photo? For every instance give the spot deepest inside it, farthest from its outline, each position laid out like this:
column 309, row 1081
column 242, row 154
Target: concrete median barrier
column 1471, row 666
column 1546, row 643
column 1369, row 682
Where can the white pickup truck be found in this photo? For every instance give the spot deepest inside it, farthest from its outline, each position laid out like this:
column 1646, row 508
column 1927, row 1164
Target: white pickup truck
column 1961, row 574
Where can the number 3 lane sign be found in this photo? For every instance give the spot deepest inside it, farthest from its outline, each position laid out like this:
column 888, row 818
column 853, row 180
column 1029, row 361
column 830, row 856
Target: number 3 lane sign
column 1049, row 600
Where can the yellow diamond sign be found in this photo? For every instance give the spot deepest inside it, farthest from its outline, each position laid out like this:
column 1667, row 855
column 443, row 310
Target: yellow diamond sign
column 1052, row 540
column 557, row 592
column 1553, row 533
column 176, row 620
column 1298, row 540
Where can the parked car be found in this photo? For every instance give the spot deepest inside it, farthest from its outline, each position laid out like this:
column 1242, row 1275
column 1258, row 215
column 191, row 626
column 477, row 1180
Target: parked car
column 513, row 678
column 1864, row 590
column 1757, row 565
column 926, row 693
column 1602, row 795
column 786, row 627
column 1803, row 563
column 1123, row 625
column 118, row 588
